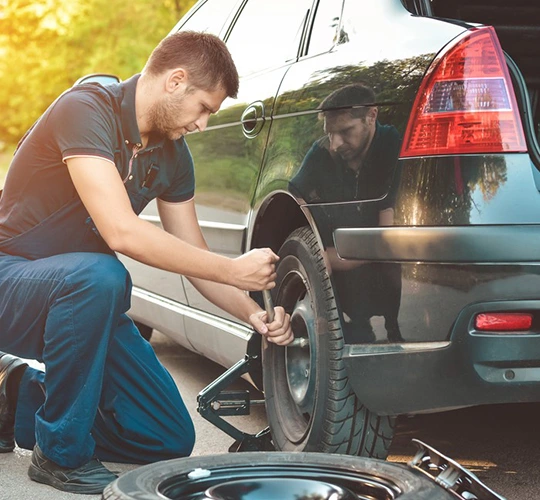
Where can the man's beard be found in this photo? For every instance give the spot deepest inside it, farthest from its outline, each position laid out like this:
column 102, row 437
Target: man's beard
column 162, row 115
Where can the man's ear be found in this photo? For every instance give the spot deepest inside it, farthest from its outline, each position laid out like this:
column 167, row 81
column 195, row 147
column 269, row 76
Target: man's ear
column 176, row 79
column 372, row 114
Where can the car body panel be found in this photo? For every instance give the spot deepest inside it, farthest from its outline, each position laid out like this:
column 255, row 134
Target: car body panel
column 469, row 209
column 472, row 368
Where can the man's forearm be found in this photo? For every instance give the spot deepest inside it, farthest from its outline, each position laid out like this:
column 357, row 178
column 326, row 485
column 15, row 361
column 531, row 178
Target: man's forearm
column 228, row 298
column 148, row 244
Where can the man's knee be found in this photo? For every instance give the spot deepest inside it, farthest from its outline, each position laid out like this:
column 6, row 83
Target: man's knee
column 181, row 442
column 102, row 275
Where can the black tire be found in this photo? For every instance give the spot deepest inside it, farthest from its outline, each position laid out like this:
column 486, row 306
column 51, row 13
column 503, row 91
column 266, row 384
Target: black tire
column 309, row 401
column 254, row 475
column 144, row 330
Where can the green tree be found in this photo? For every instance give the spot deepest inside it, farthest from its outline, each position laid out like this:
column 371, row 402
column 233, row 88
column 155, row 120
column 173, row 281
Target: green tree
column 46, row 45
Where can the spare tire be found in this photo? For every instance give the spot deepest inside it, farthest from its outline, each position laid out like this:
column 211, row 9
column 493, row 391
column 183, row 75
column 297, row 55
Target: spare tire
column 274, row 475
column 310, row 404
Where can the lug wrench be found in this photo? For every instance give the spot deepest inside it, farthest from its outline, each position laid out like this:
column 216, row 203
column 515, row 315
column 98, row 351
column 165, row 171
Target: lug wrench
column 269, row 308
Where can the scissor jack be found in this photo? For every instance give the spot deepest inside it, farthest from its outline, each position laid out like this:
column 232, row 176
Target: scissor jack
column 215, row 402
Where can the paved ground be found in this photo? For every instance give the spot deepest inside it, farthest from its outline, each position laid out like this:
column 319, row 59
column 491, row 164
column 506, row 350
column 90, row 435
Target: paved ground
column 498, row 443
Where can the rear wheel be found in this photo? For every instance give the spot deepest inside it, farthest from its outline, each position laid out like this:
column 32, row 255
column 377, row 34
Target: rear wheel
column 309, row 401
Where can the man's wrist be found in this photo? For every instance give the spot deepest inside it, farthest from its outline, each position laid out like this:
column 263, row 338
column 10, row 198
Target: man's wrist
column 252, row 308
column 224, row 269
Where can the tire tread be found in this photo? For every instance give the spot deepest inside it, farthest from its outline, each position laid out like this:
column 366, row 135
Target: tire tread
column 348, row 426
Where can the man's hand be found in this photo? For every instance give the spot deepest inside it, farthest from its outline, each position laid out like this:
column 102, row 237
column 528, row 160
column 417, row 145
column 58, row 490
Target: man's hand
column 279, row 331
column 255, row 270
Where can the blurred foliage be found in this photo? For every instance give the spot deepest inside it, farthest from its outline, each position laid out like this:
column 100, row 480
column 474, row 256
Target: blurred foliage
column 395, row 81
column 46, row 45
column 225, row 161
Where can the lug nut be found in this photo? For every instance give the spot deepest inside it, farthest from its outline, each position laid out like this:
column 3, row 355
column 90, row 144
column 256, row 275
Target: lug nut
column 299, row 342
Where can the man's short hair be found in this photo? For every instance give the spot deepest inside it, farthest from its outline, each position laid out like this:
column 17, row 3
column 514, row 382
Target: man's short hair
column 204, row 56
column 342, row 100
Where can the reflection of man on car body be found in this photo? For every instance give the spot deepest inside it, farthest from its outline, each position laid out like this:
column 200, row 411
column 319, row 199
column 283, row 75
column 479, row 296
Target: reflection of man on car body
column 355, row 161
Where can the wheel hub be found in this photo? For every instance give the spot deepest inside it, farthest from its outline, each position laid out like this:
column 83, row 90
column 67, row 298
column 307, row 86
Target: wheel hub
column 300, row 375
column 282, row 488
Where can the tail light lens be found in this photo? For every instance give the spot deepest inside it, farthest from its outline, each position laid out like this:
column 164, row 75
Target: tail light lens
column 466, row 103
column 503, row 322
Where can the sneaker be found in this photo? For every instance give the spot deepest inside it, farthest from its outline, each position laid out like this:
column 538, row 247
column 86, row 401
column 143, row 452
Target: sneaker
column 88, row 479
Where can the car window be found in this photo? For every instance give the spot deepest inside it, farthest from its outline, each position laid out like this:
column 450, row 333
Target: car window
column 358, row 20
column 324, row 34
column 209, row 17
column 267, row 33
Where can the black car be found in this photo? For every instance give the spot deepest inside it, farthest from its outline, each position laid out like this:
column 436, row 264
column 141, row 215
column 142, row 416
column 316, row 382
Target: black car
column 387, row 150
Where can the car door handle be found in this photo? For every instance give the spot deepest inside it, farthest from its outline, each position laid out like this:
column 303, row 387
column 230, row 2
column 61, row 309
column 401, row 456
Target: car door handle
column 253, row 119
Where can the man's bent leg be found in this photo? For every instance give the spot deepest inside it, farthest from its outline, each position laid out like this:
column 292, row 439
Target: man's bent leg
column 142, row 417
column 61, row 310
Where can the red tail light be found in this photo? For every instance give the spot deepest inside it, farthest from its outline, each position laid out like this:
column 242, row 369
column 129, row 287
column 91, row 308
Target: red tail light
column 466, row 103
column 504, row 322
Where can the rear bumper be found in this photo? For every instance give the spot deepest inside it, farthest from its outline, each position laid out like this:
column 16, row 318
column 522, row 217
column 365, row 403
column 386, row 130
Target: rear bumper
column 471, row 368
column 450, row 244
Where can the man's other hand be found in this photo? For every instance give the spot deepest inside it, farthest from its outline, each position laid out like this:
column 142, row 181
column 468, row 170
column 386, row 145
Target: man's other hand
column 278, row 331
column 255, row 270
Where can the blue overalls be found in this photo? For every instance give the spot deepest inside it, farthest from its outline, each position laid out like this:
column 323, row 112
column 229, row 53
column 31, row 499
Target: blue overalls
column 63, row 301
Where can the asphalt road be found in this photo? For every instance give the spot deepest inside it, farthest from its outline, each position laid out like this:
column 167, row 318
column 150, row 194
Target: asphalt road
column 500, row 444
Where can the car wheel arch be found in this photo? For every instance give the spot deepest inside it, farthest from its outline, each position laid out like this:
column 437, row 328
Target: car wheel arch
column 275, row 219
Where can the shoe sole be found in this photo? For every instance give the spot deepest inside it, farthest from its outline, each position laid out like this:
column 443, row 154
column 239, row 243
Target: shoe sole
column 44, row 477
column 7, row 449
